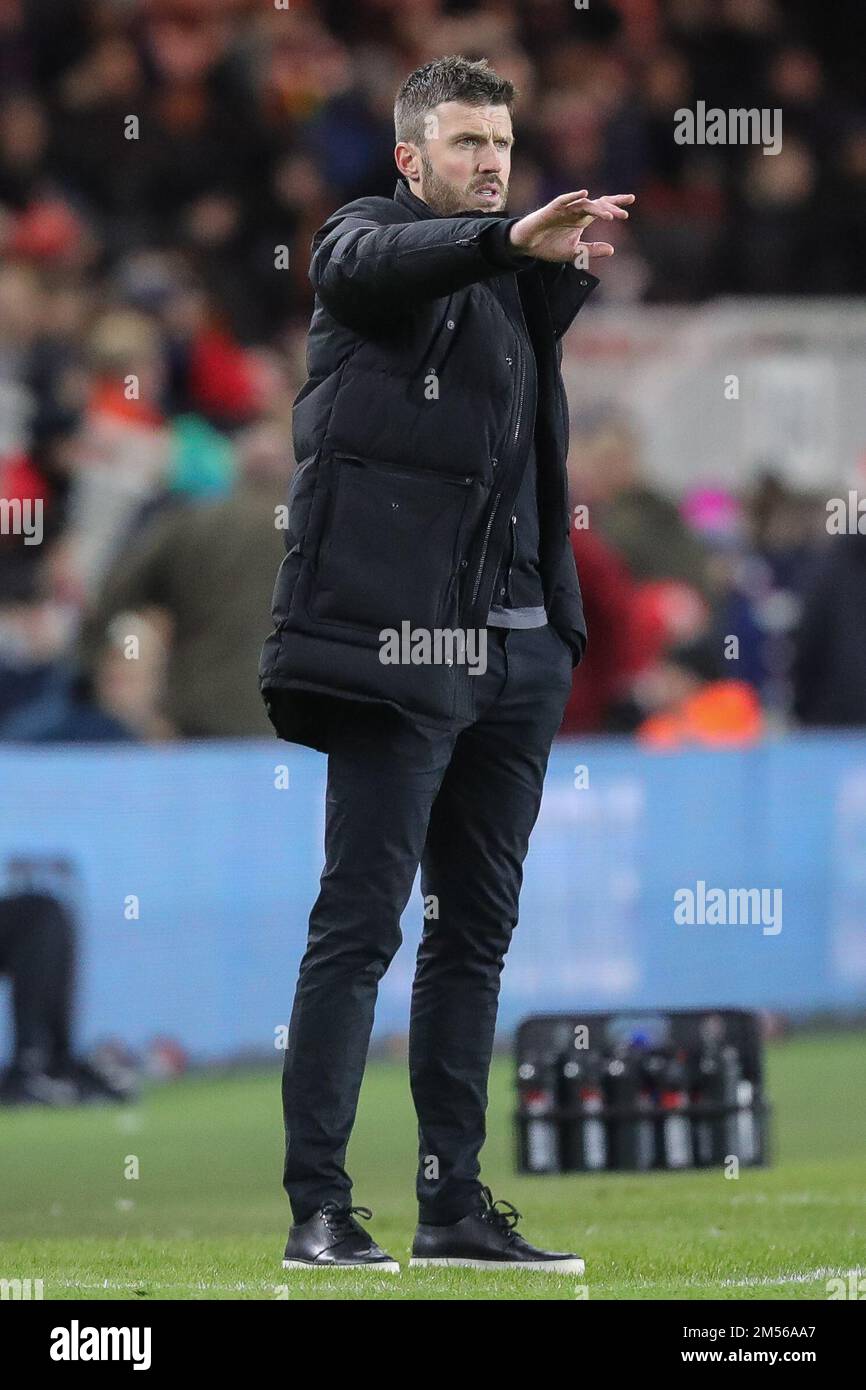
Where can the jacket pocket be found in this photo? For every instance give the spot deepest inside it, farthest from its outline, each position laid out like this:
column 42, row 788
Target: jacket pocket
column 388, row 549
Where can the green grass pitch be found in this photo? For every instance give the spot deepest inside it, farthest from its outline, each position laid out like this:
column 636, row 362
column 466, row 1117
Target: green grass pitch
column 206, row 1218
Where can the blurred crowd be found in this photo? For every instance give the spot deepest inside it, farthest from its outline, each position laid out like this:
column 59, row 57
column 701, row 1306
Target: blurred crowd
column 716, row 618
column 163, row 167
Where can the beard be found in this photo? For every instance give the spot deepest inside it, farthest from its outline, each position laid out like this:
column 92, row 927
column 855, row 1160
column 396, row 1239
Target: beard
column 447, row 200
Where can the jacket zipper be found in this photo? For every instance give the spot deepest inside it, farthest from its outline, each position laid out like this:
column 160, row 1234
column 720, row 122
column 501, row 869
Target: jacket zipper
column 513, row 558
column 497, row 499
column 410, row 470
column 522, row 385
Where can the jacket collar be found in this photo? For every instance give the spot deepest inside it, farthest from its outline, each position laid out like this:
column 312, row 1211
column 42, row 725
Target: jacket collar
column 404, row 195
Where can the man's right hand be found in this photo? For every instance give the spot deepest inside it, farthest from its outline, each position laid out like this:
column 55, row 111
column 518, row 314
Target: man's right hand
column 554, row 232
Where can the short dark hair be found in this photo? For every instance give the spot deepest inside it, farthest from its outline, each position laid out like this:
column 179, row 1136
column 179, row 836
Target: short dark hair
column 447, row 79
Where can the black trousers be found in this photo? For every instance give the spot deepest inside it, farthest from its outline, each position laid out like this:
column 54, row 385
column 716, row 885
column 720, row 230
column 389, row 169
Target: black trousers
column 37, row 952
column 463, row 805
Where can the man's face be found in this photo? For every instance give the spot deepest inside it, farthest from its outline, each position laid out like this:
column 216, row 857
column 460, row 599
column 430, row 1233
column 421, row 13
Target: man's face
column 465, row 162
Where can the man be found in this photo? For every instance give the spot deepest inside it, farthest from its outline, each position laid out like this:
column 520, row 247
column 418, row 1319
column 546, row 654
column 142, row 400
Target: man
column 188, row 562
column 429, row 496
column 37, row 955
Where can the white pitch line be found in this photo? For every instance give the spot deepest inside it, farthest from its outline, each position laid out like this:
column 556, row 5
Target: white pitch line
column 759, row 1281
column 796, row 1199
column 824, row 1272
column 808, row 1276
column 148, row 1284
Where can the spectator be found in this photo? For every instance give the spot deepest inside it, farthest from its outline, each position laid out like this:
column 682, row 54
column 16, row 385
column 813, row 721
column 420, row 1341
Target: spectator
column 209, row 567
column 118, row 702
column 830, row 663
column 640, row 524
column 37, row 954
column 615, row 651
column 693, row 703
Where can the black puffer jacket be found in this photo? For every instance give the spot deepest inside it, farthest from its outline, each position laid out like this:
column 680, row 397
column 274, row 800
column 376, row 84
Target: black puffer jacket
column 411, row 436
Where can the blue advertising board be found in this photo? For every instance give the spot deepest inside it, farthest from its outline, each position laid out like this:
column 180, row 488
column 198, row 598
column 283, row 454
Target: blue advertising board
column 678, row 879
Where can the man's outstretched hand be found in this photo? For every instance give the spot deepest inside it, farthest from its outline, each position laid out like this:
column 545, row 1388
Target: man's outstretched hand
column 554, row 232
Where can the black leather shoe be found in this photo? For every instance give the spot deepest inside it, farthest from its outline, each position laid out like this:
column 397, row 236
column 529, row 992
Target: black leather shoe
column 332, row 1239
column 486, row 1239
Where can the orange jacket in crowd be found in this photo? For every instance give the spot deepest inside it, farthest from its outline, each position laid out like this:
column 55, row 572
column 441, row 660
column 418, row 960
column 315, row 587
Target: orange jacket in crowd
column 724, row 714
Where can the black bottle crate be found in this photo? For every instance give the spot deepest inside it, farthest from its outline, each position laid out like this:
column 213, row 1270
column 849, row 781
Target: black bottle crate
column 639, row 1090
